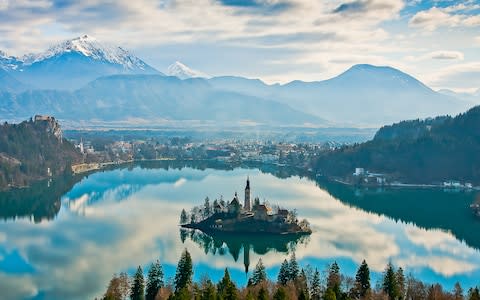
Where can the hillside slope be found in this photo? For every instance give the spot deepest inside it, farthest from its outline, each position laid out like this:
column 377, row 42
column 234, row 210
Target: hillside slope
column 417, row 151
column 33, row 150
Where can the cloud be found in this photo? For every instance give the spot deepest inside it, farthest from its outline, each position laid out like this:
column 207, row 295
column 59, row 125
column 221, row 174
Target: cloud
column 440, row 55
column 446, row 55
column 362, row 6
column 436, row 17
column 458, row 76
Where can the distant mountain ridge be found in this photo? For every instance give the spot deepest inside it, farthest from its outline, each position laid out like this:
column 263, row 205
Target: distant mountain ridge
column 156, row 100
column 181, row 71
column 362, row 96
column 73, row 63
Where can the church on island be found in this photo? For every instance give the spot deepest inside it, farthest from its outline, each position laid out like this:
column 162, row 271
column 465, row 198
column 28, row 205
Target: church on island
column 249, row 218
column 257, row 211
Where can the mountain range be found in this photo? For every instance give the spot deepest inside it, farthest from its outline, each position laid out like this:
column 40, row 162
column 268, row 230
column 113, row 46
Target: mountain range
column 85, row 80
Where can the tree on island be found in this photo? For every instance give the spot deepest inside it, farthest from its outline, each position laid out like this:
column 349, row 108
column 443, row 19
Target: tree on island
column 183, row 217
column 154, row 280
column 206, row 208
column 137, row 291
column 183, row 277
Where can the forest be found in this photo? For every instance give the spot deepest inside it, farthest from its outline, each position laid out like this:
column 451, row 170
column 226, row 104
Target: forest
column 418, row 151
column 33, row 150
column 292, row 282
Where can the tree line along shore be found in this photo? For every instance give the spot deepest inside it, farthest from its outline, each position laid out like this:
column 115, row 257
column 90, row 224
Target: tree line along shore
column 292, row 282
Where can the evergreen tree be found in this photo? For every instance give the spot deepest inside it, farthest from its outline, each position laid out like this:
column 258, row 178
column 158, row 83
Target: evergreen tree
column 183, row 276
column 208, row 291
column 457, row 291
column 259, row 274
column 280, row 294
column 315, row 289
column 293, row 268
column 262, row 294
column 334, row 280
column 250, row 295
column 183, row 217
column 400, row 277
column 329, row 295
column 473, row 294
column 302, row 295
column 215, row 206
column 206, row 208
column 226, row 288
column 390, row 286
column 283, row 274
column 302, row 284
column 137, row 291
column 154, row 280
column 362, row 280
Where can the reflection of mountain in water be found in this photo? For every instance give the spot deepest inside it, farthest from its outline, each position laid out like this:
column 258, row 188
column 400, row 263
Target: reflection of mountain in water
column 39, row 202
column 428, row 208
column 222, row 243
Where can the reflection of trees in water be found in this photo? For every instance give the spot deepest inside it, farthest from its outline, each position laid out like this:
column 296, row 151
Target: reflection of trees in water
column 41, row 201
column 428, row 208
column 224, row 243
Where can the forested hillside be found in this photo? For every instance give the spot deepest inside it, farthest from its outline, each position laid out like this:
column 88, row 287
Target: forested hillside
column 434, row 150
column 33, row 150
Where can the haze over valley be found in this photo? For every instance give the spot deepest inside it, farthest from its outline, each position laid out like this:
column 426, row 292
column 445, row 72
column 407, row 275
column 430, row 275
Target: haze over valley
column 82, row 79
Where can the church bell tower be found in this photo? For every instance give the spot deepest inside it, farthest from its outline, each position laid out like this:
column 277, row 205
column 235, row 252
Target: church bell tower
column 247, row 205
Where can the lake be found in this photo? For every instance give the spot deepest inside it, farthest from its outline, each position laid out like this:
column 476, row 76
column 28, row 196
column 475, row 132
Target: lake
column 65, row 238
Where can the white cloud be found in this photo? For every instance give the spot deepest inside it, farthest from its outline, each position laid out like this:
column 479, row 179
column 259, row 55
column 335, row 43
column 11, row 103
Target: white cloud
column 436, row 17
column 446, row 55
column 440, row 55
column 456, row 76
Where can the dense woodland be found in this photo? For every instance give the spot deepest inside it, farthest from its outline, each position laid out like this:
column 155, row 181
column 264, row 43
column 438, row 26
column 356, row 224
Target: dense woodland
column 416, row 151
column 28, row 149
column 292, row 282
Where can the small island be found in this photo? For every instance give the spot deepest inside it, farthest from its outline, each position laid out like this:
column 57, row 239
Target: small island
column 232, row 217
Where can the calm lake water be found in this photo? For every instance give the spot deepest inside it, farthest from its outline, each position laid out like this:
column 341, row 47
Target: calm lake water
column 64, row 239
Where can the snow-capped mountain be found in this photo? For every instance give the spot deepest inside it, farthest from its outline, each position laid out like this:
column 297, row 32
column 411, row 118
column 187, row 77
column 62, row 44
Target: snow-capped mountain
column 8, row 62
column 73, row 63
column 90, row 47
column 181, row 71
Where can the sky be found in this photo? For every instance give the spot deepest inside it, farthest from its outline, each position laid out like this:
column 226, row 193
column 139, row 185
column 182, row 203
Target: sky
column 437, row 42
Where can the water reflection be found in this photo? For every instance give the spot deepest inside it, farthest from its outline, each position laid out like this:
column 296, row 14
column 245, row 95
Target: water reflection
column 40, row 202
column 222, row 243
column 116, row 220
